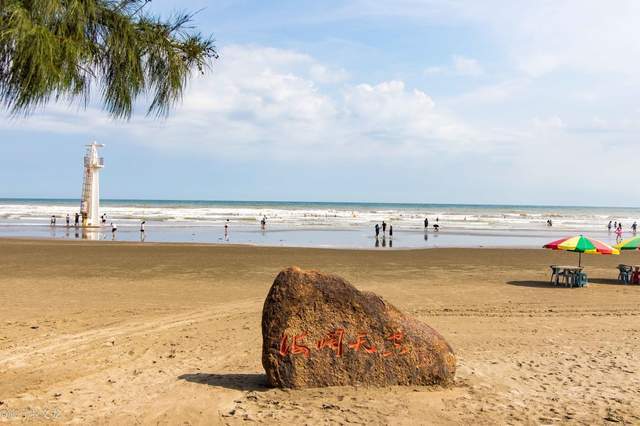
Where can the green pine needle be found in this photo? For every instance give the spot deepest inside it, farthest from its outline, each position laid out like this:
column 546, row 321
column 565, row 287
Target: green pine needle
column 59, row 49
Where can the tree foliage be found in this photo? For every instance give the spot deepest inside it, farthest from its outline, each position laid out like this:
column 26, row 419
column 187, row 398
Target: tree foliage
column 61, row 49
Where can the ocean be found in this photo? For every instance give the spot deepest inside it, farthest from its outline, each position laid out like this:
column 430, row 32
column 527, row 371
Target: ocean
column 316, row 224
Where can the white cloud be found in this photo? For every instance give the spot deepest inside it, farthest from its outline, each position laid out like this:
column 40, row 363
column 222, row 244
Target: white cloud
column 466, row 66
column 264, row 101
column 460, row 65
column 494, row 93
column 435, row 70
column 540, row 36
column 548, row 123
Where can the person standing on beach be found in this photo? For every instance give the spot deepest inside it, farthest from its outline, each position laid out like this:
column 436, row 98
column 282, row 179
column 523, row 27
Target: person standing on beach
column 142, row 235
column 77, row 220
column 384, row 228
column 114, row 228
column 619, row 233
column 226, row 230
column 68, row 220
column 609, row 226
column 390, row 231
column 53, row 220
column 426, row 223
column 634, row 227
column 377, row 228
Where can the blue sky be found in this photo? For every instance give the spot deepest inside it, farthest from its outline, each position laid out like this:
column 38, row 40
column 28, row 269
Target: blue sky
column 361, row 100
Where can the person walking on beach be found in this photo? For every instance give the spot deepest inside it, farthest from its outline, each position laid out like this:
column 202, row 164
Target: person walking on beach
column 384, row 228
column 634, row 227
column 426, row 223
column 377, row 228
column 77, row 220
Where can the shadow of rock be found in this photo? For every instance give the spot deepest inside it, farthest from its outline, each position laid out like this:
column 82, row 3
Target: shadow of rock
column 529, row 283
column 236, row 381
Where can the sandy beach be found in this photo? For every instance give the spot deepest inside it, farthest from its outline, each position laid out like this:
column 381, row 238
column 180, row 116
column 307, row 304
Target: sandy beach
column 95, row 332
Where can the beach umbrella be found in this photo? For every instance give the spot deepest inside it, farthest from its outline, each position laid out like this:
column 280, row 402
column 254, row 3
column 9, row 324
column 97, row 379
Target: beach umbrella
column 582, row 244
column 629, row 244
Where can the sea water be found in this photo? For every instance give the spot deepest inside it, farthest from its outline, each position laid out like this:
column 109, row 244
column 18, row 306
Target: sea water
column 316, row 224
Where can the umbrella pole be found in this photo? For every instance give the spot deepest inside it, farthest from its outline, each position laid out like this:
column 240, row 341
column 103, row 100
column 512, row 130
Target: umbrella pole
column 579, row 259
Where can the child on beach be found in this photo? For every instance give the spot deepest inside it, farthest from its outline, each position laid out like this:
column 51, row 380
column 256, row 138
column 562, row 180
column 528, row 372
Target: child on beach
column 619, row 233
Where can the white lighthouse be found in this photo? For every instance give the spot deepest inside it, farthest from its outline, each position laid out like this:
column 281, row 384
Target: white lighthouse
column 90, row 202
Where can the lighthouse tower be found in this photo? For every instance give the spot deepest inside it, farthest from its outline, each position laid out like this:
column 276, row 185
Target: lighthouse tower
column 90, row 202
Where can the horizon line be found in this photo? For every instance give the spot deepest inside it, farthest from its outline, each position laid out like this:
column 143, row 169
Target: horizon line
column 325, row 202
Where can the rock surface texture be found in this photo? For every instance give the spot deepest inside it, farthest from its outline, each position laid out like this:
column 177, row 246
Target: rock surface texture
column 319, row 330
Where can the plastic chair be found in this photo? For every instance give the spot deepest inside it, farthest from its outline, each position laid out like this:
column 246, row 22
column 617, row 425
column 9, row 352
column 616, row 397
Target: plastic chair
column 581, row 279
column 625, row 276
column 555, row 276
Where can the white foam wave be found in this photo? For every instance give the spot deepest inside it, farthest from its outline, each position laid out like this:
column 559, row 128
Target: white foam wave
column 326, row 216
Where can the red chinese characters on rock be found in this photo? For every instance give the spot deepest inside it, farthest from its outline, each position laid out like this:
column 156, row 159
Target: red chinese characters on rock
column 333, row 341
column 396, row 339
column 362, row 342
column 296, row 346
column 394, row 344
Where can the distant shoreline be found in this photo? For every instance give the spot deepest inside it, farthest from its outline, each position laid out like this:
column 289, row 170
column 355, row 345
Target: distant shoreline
column 345, row 225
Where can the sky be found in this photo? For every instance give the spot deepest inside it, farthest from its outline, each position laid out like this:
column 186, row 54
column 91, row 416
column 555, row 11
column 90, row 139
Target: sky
column 426, row 101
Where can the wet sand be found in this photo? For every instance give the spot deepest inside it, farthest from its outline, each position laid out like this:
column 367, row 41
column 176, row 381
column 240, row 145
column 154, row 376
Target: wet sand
column 95, row 332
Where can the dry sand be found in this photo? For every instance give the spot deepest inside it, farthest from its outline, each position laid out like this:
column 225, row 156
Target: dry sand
column 129, row 333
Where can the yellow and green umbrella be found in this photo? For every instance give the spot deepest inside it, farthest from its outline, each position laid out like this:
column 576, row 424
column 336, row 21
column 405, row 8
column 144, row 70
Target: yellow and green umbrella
column 582, row 244
column 632, row 243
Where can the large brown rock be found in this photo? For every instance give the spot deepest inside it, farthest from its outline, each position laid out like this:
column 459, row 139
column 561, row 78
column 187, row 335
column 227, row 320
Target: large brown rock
column 319, row 330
